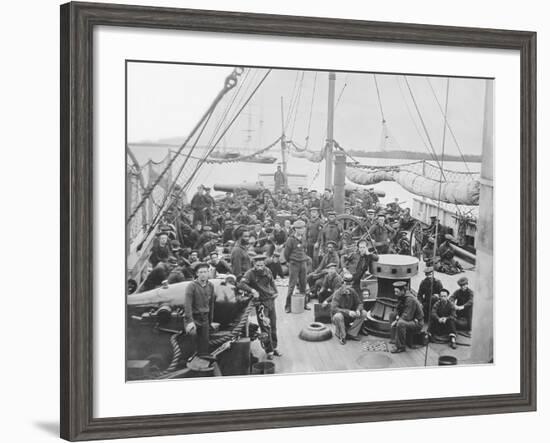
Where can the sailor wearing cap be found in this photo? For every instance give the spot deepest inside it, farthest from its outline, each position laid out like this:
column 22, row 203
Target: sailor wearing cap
column 408, row 316
column 296, row 257
column 347, row 311
column 161, row 249
column 428, row 290
column 199, row 204
column 314, row 279
column 464, row 300
column 443, row 318
column 332, row 231
column 259, row 282
column 314, row 226
column 199, row 308
column 327, row 202
column 381, row 233
column 331, row 282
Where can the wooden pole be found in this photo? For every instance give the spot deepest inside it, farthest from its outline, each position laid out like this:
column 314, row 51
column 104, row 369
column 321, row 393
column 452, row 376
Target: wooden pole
column 482, row 321
column 339, row 182
column 329, row 160
column 283, row 141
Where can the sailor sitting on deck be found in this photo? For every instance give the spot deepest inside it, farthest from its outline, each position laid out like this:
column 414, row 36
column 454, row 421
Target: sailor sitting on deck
column 315, row 278
column 358, row 263
column 347, row 311
column 331, row 282
column 443, row 318
column 408, row 317
column 447, row 262
column 463, row 299
column 428, row 290
column 259, row 282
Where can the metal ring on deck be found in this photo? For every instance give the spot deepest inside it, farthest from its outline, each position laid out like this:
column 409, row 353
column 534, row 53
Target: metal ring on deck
column 315, row 332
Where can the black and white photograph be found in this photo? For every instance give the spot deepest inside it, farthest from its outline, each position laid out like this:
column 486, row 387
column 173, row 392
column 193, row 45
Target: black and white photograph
column 287, row 221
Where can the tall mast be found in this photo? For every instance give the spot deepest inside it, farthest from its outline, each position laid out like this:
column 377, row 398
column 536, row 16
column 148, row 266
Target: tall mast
column 283, row 139
column 329, row 161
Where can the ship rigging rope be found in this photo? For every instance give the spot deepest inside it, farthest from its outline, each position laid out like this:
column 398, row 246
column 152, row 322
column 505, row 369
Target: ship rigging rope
column 448, row 125
column 230, row 82
column 311, row 109
column 297, row 107
column 379, row 100
column 431, row 146
column 438, row 213
column 201, row 162
column 291, row 102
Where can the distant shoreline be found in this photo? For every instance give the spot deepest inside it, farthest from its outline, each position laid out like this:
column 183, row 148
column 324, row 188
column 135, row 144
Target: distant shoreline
column 412, row 155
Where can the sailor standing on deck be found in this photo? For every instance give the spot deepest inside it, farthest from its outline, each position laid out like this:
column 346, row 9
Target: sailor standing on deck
column 280, row 179
column 199, row 308
column 381, row 234
column 296, row 257
column 199, row 205
column 240, row 260
column 259, row 282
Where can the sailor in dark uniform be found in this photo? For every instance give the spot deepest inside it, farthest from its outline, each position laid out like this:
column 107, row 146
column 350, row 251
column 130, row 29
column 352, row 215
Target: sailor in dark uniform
column 463, row 299
column 428, row 290
column 408, row 317
column 443, row 318
column 347, row 312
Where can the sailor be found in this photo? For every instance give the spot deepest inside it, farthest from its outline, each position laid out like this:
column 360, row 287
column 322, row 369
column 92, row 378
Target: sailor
column 243, row 218
column 274, row 265
column 447, row 263
column 199, row 205
column 159, row 274
column 347, row 311
column 358, row 263
column 408, row 317
column 296, row 257
column 381, row 233
column 327, row 202
column 332, row 231
column 227, row 234
column 259, row 282
column 280, row 179
column 210, row 204
column 314, row 199
column 315, row 277
column 161, row 250
column 406, row 222
column 370, row 221
column 240, row 260
column 314, row 227
column 219, row 264
column 428, row 289
column 199, row 308
column 403, row 245
column 443, row 318
column 428, row 252
column 463, row 298
column 331, row 282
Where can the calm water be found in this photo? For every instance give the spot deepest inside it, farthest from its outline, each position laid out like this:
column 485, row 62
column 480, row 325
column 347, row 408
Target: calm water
column 240, row 172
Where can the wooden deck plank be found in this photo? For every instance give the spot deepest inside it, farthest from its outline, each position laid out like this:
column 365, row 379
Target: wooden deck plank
column 300, row 356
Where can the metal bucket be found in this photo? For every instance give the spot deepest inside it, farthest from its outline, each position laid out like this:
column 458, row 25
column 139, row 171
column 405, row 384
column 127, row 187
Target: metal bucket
column 263, row 367
column 297, row 303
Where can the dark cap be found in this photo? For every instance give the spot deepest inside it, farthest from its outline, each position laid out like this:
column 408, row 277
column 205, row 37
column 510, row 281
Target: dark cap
column 314, row 208
column 462, row 281
column 330, row 265
column 400, row 284
column 331, row 213
column 201, row 265
column 331, row 242
column 444, row 290
column 428, row 269
column 173, row 260
column 259, row 257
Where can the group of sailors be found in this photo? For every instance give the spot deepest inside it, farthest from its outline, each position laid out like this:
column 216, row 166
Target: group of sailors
column 255, row 240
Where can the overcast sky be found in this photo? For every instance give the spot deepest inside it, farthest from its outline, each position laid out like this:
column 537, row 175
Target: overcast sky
column 166, row 100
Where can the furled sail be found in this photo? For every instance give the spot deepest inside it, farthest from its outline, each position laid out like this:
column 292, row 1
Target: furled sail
column 456, row 192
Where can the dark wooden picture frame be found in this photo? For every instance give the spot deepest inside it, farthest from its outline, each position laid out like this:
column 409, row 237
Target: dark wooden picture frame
column 77, row 216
